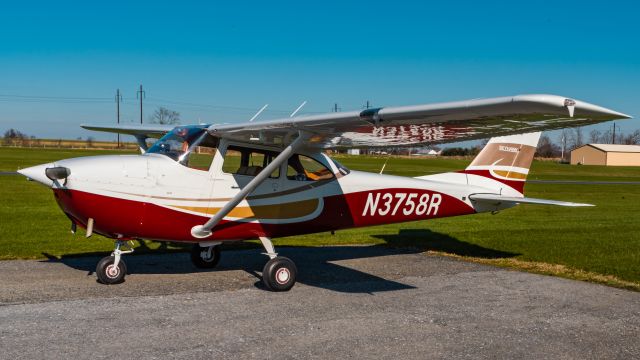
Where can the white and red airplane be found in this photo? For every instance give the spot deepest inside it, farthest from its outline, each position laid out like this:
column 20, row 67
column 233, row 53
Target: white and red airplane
column 206, row 184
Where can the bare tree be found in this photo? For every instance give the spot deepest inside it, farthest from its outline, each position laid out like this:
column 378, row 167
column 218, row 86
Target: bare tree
column 14, row 137
column 165, row 116
column 631, row 139
column 546, row 148
column 594, row 136
column 576, row 138
column 606, row 137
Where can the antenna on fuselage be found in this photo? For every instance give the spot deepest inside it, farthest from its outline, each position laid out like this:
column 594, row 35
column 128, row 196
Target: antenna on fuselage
column 259, row 112
column 298, row 109
column 385, row 162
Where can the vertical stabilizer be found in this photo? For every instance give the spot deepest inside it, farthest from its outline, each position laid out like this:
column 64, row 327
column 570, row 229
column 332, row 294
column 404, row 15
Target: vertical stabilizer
column 506, row 159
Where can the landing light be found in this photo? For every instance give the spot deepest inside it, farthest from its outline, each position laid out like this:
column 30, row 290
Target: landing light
column 57, row 173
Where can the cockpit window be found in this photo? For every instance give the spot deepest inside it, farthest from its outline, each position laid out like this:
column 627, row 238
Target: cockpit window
column 304, row 168
column 191, row 146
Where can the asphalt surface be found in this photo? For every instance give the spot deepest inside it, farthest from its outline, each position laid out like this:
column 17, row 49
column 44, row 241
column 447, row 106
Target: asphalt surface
column 350, row 302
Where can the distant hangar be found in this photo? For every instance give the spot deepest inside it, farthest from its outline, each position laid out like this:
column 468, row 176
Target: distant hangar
column 606, row 154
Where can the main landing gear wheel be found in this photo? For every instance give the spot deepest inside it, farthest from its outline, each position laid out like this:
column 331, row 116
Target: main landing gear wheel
column 205, row 257
column 279, row 274
column 108, row 273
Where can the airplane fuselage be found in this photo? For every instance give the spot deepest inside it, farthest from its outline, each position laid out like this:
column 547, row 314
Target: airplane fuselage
column 153, row 197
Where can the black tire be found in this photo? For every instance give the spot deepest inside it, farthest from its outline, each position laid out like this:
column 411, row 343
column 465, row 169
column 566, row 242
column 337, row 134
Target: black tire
column 279, row 274
column 108, row 274
column 199, row 259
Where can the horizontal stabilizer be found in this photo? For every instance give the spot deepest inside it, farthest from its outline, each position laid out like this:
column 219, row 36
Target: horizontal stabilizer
column 152, row 130
column 495, row 199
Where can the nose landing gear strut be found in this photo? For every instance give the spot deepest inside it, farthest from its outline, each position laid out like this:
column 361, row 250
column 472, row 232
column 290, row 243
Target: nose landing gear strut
column 112, row 269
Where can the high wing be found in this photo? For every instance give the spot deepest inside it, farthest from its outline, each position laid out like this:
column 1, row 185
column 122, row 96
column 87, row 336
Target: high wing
column 424, row 124
column 143, row 131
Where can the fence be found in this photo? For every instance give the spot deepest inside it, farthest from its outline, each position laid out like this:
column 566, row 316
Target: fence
column 68, row 144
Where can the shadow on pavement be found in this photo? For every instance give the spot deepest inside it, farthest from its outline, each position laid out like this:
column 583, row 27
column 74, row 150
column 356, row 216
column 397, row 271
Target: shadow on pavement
column 316, row 265
column 427, row 240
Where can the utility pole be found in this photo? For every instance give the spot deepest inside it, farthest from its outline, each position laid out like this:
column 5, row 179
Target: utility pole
column 335, row 107
column 367, row 105
column 140, row 94
column 118, row 100
column 613, row 138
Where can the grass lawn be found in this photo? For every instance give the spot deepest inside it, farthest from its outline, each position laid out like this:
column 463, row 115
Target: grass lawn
column 598, row 244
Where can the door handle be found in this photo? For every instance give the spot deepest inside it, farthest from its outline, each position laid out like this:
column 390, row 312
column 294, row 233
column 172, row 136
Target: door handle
column 235, row 187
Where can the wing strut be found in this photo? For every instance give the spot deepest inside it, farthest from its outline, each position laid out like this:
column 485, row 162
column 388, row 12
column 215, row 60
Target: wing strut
column 203, row 231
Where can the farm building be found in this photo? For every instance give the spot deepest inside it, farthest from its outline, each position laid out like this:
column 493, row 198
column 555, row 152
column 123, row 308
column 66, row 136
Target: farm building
column 606, row 154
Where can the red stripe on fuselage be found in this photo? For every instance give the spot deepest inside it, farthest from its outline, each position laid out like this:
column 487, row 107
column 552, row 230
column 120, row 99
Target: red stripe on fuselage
column 133, row 219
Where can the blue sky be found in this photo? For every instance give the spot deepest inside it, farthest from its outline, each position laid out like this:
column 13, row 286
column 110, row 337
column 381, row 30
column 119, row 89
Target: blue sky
column 231, row 58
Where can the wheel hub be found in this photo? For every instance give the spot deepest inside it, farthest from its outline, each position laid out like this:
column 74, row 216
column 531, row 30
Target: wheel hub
column 282, row 276
column 112, row 271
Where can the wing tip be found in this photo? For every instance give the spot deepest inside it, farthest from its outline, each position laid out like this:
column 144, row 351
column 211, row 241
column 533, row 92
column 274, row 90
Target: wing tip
column 582, row 205
column 581, row 107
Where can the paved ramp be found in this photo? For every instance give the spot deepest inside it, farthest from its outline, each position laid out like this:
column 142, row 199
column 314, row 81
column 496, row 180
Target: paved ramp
column 351, row 302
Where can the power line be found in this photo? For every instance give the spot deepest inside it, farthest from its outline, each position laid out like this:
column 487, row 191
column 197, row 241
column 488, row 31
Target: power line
column 44, row 101
column 21, row 98
column 53, row 100
column 160, row 101
column 36, row 97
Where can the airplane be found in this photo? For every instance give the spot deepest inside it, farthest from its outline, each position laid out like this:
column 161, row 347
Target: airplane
column 215, row 183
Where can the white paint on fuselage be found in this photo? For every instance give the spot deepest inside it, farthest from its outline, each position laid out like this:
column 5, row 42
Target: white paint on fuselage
column 162, row 181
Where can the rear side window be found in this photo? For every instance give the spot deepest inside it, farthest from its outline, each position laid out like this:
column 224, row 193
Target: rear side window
column 248, row 162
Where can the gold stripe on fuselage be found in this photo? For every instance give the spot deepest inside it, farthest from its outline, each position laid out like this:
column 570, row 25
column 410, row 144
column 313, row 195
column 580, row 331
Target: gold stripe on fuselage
column 289, row 210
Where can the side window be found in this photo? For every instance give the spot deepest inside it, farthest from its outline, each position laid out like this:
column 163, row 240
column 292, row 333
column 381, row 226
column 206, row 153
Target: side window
column 304, row 168
column 231, row 164
column 200, row 154
column 249, row 162
column 201, row 158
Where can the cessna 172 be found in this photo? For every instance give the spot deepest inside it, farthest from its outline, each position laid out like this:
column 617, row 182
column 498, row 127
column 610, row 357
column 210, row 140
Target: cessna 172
column 206, row 184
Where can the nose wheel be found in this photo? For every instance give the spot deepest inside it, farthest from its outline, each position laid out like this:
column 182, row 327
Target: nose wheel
column 279, row 273
column 111, row 269
column 109, row 273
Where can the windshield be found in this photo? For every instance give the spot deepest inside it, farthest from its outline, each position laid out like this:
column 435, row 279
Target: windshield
column 177, row 143
column 341, row 167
